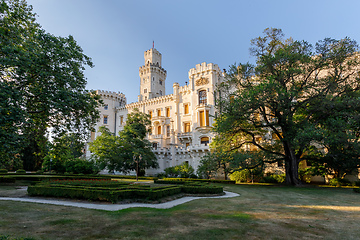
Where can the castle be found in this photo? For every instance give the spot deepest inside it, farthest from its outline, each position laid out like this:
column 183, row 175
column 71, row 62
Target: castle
column 180, row 122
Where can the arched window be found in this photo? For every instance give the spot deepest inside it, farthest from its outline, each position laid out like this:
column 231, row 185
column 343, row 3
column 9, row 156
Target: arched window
column 204, row 140
column 202, row 97
column 159, row 130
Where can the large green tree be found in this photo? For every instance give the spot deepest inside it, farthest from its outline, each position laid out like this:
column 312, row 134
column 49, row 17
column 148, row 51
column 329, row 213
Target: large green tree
column 117, row 153
column 270, row 112
column 42, row 86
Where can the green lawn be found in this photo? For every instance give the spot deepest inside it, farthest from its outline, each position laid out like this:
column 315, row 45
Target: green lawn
column 261, row 212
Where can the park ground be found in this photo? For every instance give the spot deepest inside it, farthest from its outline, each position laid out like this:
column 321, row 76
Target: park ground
column 260, row 212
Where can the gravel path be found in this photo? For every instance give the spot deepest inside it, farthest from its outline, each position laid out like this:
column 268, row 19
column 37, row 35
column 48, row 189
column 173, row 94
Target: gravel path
column 116, row 207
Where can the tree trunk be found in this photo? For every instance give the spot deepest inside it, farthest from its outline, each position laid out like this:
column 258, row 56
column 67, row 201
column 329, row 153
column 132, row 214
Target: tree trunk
column 291, row 166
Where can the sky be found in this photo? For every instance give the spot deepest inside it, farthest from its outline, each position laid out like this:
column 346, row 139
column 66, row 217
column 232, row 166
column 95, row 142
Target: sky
column 115, row 33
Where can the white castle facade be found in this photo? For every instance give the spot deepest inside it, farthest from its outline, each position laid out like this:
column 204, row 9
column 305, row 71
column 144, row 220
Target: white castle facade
column 181, row 122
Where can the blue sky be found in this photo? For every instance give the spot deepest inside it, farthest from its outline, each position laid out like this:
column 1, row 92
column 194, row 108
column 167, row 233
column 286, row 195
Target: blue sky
column 116, row 33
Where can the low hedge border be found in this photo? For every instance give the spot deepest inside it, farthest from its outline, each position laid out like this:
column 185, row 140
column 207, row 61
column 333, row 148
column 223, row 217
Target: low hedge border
column 132, row 177
column 113, row 195
column 7, row 179
column 94, row 194
column 183, row 180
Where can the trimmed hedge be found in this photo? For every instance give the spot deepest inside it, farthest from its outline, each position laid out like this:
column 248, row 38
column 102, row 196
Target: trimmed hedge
column 115, row 191
column 132, row 177
column 94, row 194
column 3, row 171
column 178, row 180
column 7, row 179
column 20, row 171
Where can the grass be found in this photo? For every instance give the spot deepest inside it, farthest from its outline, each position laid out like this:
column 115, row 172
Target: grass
column 261, row 212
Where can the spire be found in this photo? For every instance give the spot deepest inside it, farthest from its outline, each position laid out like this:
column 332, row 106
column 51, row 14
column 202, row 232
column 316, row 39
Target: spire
column 153, row 44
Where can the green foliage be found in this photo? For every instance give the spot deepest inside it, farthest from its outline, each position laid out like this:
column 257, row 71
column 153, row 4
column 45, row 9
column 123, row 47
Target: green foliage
column 183, row 170
column 43, row 86
column 81, row 166
column 7, row 179
column 114, row 191
column 116, row 153
column 64, row 156
column 185, row 180
column 241, row 176
column 20, row 171
column 292, row 98
column 338, row 182
column 214, row 161
column 274, row 178
column 3, row 171
column 357, row 190
column 208, row 166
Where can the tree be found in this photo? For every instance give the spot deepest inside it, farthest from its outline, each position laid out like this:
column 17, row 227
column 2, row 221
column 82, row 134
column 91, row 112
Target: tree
column 208, row 166
column 63, row 149
column 116, row 153
column 269, row 111
column 44, row 85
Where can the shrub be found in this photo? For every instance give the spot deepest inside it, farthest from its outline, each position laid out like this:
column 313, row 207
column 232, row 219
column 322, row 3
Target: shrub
column 338, row 182
column 80, row 166
column 20, row 171
column 183, row 170
column 3, row 171
column 274, row 178
column 240, row 176
column 357, row 183
column 357, row 190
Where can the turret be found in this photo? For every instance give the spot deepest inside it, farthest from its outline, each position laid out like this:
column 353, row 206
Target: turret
column 152, row 76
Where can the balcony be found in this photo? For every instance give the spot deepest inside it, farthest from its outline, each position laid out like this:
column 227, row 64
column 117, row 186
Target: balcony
column 185, row 136
column 203, row 129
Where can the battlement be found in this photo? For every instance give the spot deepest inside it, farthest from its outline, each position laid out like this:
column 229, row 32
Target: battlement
column 152, row 101
column 185, row 89
column 110, row 94
column 203, row 67
column 153, row 67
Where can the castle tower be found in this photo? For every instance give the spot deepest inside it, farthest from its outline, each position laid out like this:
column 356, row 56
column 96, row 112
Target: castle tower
column 152, row 76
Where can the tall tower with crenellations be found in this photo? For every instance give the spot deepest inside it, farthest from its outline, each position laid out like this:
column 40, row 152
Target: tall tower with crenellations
column 152, row 76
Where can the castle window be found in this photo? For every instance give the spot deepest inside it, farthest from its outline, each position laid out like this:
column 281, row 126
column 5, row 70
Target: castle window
column 187, row 144
column 186, row 108
column 160, row 92
column 160, row 82
column 121, row 120
column 145, row 90
column 204, row 118
column 168, row 130
column 159, row 130
column 154, row 145
column 105, row 120
column 150, row 113
column 106, row 106
column 205, row 140
column 159, row 112
column 168, row 112
column 202, row 97
column 187, row 127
